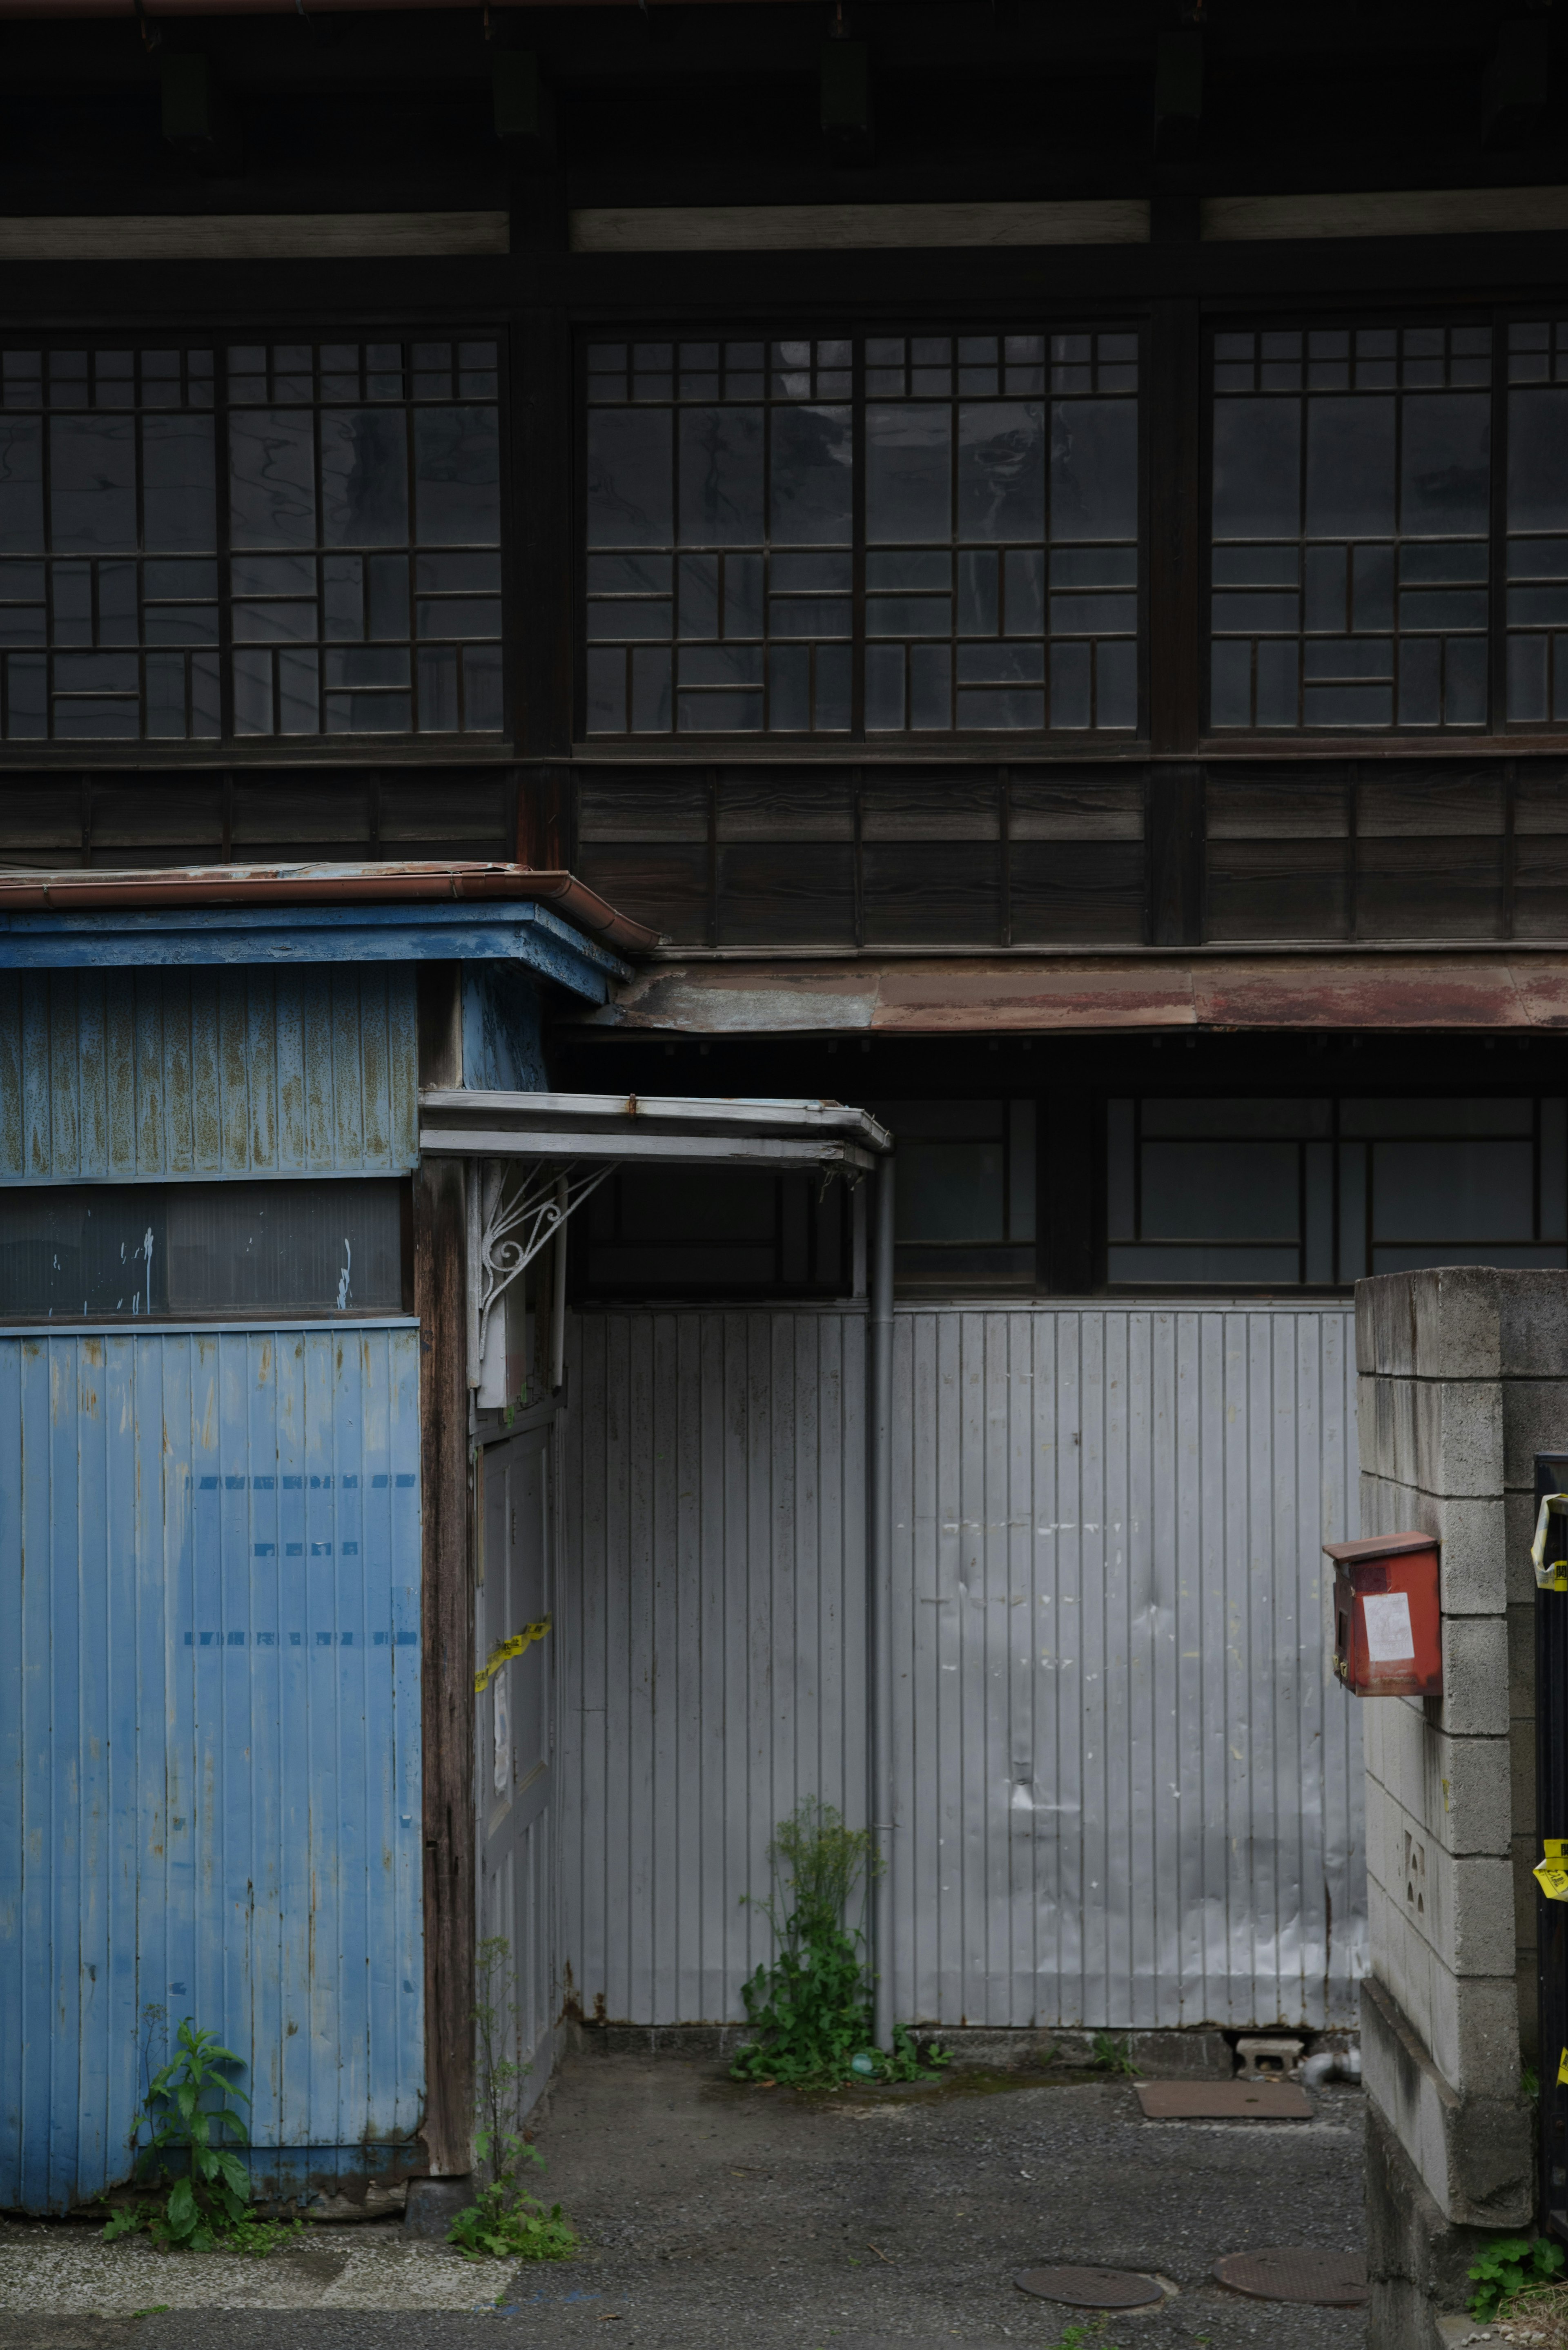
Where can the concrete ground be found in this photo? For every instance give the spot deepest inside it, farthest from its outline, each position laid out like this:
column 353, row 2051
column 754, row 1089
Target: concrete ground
column 713, row 2215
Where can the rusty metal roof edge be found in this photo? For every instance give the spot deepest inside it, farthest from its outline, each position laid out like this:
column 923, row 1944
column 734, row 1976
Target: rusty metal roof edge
column 411, row 881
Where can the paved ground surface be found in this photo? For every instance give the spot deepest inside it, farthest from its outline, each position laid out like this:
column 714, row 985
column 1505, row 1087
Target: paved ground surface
column 715, row 2216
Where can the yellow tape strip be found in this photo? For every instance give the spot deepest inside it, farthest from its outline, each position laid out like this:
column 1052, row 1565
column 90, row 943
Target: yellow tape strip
column 505, row 1650
column 1563, row 2070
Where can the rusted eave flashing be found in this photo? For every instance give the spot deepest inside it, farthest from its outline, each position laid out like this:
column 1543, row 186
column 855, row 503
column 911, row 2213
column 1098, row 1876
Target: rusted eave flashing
column 1499, row 992
column 440, row 881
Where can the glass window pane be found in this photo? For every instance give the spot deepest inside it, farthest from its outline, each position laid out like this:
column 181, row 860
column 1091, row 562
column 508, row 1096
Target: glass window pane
column 746, row 466
column 179, row 487
column 1455, row 1191
column 950, row 1192
column 1212, row 1190
column 272, row 479
column 92, row 483
column 457, row 476
column 1094, row 469
column 365, row 478
column 1257, row 468
column 1384, row 466
column 720, row 456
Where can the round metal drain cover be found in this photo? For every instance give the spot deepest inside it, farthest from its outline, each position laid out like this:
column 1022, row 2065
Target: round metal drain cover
column 1091, row 2288
column 1328, row 2279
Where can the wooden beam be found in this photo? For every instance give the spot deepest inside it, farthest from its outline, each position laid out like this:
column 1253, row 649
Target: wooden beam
column 447, row 1633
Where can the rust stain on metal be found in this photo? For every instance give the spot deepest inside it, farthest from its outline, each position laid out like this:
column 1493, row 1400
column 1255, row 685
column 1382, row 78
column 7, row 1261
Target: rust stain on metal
column 933, row 995
column 412, row 882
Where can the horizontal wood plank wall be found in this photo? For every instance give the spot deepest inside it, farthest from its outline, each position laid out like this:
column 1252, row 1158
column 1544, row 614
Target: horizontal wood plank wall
column 1034, row 854
column 846, row 857
column 1369, row 849
column 357, row 814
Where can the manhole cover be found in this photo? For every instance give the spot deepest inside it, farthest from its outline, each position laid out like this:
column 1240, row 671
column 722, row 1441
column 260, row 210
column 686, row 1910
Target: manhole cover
column 1329, row 2279
column 1090, row 2288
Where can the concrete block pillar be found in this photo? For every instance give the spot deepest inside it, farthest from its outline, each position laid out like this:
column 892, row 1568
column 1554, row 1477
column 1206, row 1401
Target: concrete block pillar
column 1463, row 1377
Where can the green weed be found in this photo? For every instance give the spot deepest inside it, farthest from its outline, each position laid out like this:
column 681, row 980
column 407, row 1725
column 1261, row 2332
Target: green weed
column 504, row 2223
column 1507, row 2266
column 1111, row 2056
column 187, row 2111
column 812, row 2008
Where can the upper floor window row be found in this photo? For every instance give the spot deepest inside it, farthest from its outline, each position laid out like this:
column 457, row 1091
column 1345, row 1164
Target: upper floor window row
column 1390, row 528
column 275, row 540
column 894, row 534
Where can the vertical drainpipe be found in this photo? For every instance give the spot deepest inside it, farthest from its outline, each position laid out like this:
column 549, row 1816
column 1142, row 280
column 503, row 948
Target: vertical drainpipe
column 879, row 1594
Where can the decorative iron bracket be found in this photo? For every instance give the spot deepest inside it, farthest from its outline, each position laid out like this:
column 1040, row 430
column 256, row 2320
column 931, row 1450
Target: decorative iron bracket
column 507, row 1228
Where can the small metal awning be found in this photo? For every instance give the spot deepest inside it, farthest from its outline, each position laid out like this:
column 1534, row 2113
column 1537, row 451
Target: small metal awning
column 538, row 1156
column 650, row 1130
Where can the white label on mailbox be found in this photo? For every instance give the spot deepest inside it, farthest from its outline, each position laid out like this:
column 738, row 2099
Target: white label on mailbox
column 1390, row 1639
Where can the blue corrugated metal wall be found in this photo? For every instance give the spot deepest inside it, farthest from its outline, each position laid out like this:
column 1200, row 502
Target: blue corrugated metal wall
column 209, row 1737
column 123, row 1075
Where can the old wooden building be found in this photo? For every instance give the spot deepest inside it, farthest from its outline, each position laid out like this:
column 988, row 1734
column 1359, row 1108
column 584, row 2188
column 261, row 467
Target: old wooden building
column 999, row 566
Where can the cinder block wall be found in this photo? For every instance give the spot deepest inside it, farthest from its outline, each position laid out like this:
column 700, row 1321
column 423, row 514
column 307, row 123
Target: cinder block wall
column 1463, row 1377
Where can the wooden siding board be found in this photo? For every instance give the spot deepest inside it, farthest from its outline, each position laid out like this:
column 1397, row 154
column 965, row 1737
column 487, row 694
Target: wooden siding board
column 650, row 808
column 443, row 805
column 1277, row 888
column 1429, row 888
column 786, row 895
column 1541, row 795
column 1079, row 893
column 1297, row 805
column 957, row 803
column 668, row 888
column 321, row 809
column 941, row 892
column 1420, row 802
column 797, row 806
column 1046, row 807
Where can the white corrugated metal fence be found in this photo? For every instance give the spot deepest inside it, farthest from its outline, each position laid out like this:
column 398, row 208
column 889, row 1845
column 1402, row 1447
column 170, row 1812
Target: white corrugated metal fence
column 1127, row 1787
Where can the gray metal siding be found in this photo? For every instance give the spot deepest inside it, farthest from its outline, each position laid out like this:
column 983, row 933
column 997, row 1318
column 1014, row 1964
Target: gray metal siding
column 711, row 1624
column 209, row 1739
column 1127, row 1790
column 192, row 1074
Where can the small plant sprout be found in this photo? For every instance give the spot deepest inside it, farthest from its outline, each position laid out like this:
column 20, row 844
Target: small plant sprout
column 1109, row 2055
column 812, row 2008
column 188, row 2111
column 504, row 2222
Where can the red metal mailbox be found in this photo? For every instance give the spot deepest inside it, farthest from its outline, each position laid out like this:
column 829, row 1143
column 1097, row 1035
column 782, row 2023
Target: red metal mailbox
column 1388, row 1619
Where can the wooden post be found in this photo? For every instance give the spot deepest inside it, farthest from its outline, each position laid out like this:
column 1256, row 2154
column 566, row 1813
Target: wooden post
column 447, row 1631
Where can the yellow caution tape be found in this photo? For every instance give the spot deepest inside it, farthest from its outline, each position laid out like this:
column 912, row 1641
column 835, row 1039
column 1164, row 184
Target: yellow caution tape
column 1563, row 2070
column 503, row 1652
column 1552, row 1875
column 1550, row 1574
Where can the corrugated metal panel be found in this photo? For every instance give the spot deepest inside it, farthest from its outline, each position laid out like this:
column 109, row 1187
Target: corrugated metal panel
column 122, row 1075
column 210, row 1728
column 711, row 1629
column 1127, row 1790
column 515, row 1778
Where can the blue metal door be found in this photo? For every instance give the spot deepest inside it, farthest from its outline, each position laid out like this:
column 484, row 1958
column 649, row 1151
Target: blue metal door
column 209, row 1739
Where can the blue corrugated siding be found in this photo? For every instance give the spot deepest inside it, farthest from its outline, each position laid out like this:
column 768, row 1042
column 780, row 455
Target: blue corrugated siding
column 209, row 1736
column 120, row 1076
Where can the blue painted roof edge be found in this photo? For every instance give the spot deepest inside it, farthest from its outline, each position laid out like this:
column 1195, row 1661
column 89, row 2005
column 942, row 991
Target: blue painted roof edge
column 526, row 932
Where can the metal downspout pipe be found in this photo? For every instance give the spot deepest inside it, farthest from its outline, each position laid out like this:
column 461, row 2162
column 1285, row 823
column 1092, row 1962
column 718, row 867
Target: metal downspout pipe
column 879, row 1596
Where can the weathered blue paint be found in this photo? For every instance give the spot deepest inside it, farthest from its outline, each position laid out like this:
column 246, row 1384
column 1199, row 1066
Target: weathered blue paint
column 209, row 1737
column 503, row 1029
column 529, row 935
column 174, row 1076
